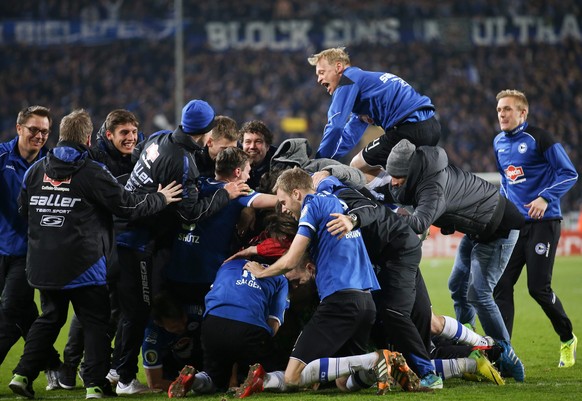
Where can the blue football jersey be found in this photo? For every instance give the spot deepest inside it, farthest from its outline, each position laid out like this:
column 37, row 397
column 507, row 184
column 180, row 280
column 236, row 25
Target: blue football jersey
column 340, row 264
column 199, row 249
column 158, row 343
column 383, row 97
column 237, row 295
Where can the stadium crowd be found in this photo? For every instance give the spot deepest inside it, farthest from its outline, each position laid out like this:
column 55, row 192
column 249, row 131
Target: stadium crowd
column 272, row 85
column 219, row 187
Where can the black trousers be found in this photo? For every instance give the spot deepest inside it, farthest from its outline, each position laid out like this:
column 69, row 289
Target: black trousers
column 17, row 307
column 426, row 132
column 91, row 305
column 226, row 342
column 73, row 351
column 535, row 248
column 135, row 293
column 404, row 311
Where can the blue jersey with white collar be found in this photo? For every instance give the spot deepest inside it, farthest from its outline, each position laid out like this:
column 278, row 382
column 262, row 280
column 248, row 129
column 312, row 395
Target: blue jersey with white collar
column 533, row 164
column 200, row 248
column 340, row 264
column 383, row 97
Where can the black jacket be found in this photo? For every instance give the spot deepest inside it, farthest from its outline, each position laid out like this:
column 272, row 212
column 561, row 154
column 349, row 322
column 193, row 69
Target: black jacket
column 387, row 237
column 69, row 200
column 260, row 169
column 168, row 157
column 105, row 152
column 450, row 198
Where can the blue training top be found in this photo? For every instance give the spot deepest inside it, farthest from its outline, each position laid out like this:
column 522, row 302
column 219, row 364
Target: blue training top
column 385, row 98
column 533, row 164
column 13, row 227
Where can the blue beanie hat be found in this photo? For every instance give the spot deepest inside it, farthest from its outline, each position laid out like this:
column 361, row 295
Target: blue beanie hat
column 197, row 117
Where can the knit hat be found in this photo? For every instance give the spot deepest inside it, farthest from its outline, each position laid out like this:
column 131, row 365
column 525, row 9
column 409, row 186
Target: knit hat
column 197, row 117
column 399, row 158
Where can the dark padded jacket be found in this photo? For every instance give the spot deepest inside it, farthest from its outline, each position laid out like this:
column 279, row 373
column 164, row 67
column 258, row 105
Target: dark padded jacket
column 168, row 157
column 68, row 200
column 448, row 197
column 387, row 237
column 105, row 152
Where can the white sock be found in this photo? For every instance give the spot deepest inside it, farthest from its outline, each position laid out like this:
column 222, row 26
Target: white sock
column 275, row 381
column 361, row 379
column 327, row 369
column 203, row 384
column 448, row 368
column 454, row 330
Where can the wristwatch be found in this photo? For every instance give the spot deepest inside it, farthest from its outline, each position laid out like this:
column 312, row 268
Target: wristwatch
column 354, row 218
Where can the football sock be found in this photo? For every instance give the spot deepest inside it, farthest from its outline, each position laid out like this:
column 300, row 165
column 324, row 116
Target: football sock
column 454, row 330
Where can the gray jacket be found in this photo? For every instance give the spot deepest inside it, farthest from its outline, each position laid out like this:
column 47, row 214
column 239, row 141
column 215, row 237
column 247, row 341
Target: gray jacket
column 296, row 152
column 448, row 197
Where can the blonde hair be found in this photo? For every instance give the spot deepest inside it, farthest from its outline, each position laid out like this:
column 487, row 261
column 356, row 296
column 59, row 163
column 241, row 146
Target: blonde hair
column 225, row 127
column 522, row 103
column 332, row 55
column 76, row 127
column 294, row 178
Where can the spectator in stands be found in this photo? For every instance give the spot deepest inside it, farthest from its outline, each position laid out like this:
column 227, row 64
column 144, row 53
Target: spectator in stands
column 535, row 173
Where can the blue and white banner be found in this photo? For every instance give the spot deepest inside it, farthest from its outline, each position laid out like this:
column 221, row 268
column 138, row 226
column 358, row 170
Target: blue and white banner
column 297, row 34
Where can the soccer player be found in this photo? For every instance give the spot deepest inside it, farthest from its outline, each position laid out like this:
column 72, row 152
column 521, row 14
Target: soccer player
column 535, row 173
column 363, row 97
column 403, row 303
column 114, row 145
column 224, row 135
column 199, row 249
column 242, row 315
column 165, row 157
column 342, row 322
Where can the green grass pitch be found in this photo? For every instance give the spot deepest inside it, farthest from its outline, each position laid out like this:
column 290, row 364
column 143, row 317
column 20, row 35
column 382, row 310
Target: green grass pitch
column 534, row 340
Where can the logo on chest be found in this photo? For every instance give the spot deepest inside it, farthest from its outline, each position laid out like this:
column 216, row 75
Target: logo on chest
column 514, row 173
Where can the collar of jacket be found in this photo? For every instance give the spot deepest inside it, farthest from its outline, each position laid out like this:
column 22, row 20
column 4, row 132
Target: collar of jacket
column 185, row 140
column 517, row 129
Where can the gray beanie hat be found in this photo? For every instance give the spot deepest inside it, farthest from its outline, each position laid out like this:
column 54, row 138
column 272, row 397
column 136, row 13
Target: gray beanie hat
column 399, row 158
